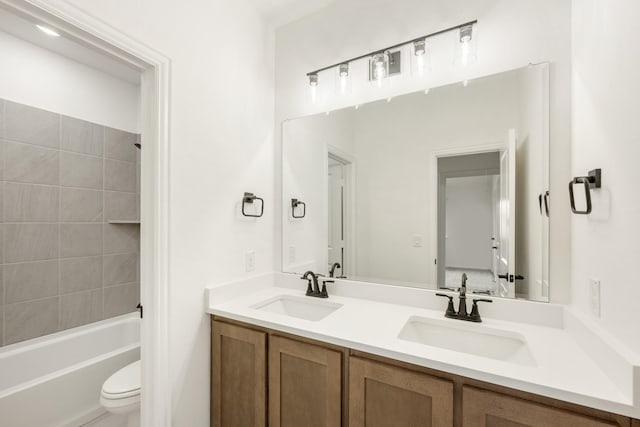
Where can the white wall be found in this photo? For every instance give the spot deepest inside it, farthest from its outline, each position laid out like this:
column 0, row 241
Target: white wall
column 606, row 106
column 221, row 124
column 305, row 173
column 469, row 222
column 510, row 34
column 40, row 78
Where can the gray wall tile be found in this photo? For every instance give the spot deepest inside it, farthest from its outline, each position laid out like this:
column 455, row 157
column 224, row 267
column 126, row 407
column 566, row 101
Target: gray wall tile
column 81, row 137
column 32, row 125
column 30, row 242
column 119, row 269
column 120, row 176
column 80, row 274
column 30, row 203
column 31, row 164
column 120, row 299
column 78, row 170
column 121, row 206
column 78, row 240
column 121, row 238
column 119, row 144
column 80, row 308
column 31, row 280
column 55, row 250
column 30, row 319
column 79, row 205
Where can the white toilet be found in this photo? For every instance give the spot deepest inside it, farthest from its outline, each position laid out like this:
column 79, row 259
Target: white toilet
column 121, row 393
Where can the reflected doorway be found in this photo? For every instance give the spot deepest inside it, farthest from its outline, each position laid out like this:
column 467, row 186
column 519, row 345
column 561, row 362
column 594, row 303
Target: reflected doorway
column 338, row 216
column 469, row 221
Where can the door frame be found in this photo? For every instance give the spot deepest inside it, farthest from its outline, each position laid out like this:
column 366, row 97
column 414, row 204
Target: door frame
column 349, row 163
column 435, row 193
column 155, row 68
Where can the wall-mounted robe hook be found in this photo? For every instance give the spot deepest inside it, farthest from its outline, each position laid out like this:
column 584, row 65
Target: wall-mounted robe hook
column 248, row 199
column 593, row 180
column 296, row 203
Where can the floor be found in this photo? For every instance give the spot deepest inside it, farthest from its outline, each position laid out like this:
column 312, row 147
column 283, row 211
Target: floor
column 477, row 280
column 107, row 420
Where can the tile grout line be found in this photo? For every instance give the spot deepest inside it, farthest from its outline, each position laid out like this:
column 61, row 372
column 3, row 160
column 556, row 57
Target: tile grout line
column 79, row 153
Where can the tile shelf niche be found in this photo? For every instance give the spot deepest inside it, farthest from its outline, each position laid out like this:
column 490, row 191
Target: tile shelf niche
column 123, row 222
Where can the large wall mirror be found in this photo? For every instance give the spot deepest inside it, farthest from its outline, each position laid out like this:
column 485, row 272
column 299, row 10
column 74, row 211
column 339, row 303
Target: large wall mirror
column 422, row 188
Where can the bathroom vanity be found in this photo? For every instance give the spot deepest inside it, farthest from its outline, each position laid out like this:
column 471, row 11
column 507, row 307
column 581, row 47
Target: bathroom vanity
column 281, row 358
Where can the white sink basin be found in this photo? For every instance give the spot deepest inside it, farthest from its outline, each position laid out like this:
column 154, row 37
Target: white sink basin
column 307, row 308
column 469, row 338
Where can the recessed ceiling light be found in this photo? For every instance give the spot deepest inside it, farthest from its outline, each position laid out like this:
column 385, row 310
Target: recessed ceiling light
column 48, row 31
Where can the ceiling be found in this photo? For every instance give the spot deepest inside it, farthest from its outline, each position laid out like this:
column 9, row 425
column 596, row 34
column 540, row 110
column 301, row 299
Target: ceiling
column 282, row 12
column 22, row 28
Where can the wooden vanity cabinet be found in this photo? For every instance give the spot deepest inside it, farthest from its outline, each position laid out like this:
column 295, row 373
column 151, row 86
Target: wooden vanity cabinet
column 382, row 395
column 238, row 376
column 305, row 384
column 262, row 377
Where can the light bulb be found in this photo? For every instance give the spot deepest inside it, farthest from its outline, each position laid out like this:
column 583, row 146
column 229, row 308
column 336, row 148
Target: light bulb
column 313, row 87
column 465, row 83
column 426, row 91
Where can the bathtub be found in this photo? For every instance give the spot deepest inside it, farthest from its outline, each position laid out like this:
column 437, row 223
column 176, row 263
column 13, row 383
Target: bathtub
column 56, row 380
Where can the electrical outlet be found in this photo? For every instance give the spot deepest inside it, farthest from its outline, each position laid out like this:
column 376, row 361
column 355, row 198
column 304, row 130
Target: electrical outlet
column 292, row 254
column 417, row 241
column 595, row 297
column 250, row 261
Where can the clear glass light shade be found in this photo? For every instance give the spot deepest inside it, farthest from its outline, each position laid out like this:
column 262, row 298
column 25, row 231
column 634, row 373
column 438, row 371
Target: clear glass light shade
column 313, row 88
column 343, row 80
column 466, row 46
column 379, row 68
column 420, row 58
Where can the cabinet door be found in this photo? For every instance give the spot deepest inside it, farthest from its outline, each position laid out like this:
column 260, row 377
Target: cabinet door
column 384, row 395
column 238, row 376
column 305, row 384
column 482, row 408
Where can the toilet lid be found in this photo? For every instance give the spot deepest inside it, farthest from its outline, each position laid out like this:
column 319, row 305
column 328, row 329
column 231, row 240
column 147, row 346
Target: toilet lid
column 124, row 383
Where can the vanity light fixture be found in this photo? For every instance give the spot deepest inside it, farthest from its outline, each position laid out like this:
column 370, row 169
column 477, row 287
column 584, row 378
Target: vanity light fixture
column 344, row 80
column 386, row 62
column 420, row 58
column 465, row 46
column 48, row 31
column 313, row 87
column 379, row 67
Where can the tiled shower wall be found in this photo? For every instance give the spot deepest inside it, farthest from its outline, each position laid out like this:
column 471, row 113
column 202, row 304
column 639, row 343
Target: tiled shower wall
column 63, row 262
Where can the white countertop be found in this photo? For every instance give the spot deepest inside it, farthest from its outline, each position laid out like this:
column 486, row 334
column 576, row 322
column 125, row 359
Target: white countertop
column 574, row 362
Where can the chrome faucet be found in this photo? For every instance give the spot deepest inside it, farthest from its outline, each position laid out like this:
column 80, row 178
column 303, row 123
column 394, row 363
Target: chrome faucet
column 462, row 313
column 314, row 291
